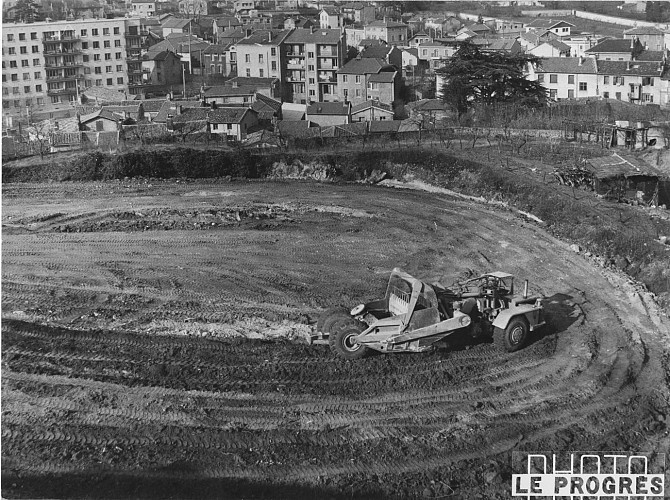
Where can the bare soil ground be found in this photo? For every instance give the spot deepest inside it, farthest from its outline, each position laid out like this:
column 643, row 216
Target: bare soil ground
column 153, row 346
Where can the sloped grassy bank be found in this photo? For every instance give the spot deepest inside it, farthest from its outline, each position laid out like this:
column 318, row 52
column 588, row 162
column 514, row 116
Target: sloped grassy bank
column 621, row 235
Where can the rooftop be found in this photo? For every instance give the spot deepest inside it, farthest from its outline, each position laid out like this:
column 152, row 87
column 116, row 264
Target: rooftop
column 369, row 104
column 623, row 68
column 611, row 45
column 324, row 36
column 328, row 108
column 568, row 65
column 363, row 66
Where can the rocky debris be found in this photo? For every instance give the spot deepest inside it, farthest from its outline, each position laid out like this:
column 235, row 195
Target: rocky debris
column 575, row 248
column 299, row 170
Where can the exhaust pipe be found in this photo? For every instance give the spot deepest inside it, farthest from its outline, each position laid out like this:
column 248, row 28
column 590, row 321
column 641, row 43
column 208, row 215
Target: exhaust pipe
column 525, row 289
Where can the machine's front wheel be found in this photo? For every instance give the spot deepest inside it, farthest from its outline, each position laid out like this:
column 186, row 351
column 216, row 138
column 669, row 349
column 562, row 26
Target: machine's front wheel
column 329, row 316
column 342, row 341
column 515, row 336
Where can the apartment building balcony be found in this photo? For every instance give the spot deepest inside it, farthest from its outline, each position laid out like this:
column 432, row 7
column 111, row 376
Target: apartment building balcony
column 62, row 91
column 135, row 70
column 295, row 54
column 63, row 64
column 59, row 51
column 327, row 79
column 295, row 78
column 327, row 66
column 327, row 53
column 61, row 38
column 63, row 78
column 295, row 65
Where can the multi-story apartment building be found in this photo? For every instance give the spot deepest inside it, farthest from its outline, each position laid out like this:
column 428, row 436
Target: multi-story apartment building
column 143, row 8
column 638, row 82
column 312, row 60
column 364, row 79
column 49, row 62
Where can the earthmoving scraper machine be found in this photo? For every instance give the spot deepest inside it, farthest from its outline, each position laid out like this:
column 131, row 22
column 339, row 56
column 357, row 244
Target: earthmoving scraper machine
column 413, row 316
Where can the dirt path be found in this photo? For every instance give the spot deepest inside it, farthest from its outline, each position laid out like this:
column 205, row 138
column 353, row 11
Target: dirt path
column 152, row 346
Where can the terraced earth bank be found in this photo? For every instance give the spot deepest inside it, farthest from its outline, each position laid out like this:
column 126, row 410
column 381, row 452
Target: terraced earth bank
column 153, row 346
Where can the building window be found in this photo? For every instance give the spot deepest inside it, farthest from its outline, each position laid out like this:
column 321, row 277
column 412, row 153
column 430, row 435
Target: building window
column 647, row 80
column 260, row 58
column 85, row 57
column 38, row 88
column 247, row 58
column 23, row 50
column 312, row 92
column 248, row 72
column 647, row 97
column 117, row 43
column 571, row 94
column 606, row 95
column 274, row 65
column 84, row 45
column 119, row 80
column 98, row 82
column 38, row 75
column 108, row 57
column 10, row 38
column 24, row 63
column 273, row 51
column 117, row 31
column 36, row 49
column 94, row 32
column 33, row 36
column 98, row 70
column 552, row 94
column 36, row 62
column 310, row 67
column 96, row 45
column 582, row 86
column 310, row 55
column 119, row 67
column 553, row 78
column 96, row 57
column 344, row 78
column 26, row 76
column 540, row 78
column 107, row 44
column 110, row 81
column 571, row 79
column 22, row 37
column 84, row 32
column 358, row 78
column 26, row 89
column 108, row 69
column 358, row 92
column 40, row 100
column 606, row 80
column 15, row 77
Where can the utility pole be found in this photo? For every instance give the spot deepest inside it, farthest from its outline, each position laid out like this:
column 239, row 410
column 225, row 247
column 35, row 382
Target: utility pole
column 183, row 76
column 190, row 32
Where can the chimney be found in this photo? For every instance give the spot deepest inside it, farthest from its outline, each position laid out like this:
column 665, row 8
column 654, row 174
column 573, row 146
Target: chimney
column 248, row 31
column 581, row 60
column 628, row 65
column 311, row 29
column 180, row 109
column 632, row 43
column 235, row 84
column 270, row 36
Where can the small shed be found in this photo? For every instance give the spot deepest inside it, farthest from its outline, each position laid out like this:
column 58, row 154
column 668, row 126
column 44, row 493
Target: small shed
column 628, row 178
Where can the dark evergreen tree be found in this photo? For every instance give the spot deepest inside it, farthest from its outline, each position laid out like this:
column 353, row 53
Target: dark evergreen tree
column 27, row 11
column 473, row 76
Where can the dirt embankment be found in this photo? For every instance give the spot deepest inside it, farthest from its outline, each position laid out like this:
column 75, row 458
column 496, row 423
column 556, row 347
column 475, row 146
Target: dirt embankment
column 130, row 367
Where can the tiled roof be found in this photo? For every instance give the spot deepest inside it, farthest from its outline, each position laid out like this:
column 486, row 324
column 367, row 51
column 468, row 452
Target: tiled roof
column 233, row 33
column 227, row 115
column 170, row 108
column 368, row 104
column 101, row 113
column 379, row 51
column 623, row 68
column 563, row 47
column 103, row 94
column 371, row 42
column 567, row 65
column 502, row 45
column 362, row 66
column 268, row 101
column 132, row 108
column 383, row 77
column 328, row 108
column 384, row 126
column 265, row 107
column 216, row 48
column 173, row 22
column 265, row 37
column 650, row 55
column 191, row 115
column 326, row 36
column 297, row 129
column 331, row 11
column 427, row 105
column 414, row 52
column 611, row 45
column 158, row 56
column 152, row 105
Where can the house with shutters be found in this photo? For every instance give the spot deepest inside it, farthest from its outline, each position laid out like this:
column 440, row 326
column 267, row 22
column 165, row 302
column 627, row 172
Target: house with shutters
column 389, row 53
column 371, row 111
column 364, row 79
column 541, row 25
column 235, row 123
column 650, row 37
column 567, row 77
column 259, row 55
column 392, row 32
column 616, row 49
column 638, row 82
column 330, row 18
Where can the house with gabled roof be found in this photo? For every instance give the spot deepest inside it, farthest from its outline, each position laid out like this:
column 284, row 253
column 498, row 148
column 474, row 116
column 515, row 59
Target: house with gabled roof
column 371, row 111
column 551, row 48
column 102, row 120
column 233, row 122
column 329, row 113
column 560, row 28
column 638, row 82
column 268, row 109
column 330, row 18
column 616, row 49
column 170, row 109
column 354, row 84
column 389, row 53
column 567, row 77
column 392, row 32
column 650, row 37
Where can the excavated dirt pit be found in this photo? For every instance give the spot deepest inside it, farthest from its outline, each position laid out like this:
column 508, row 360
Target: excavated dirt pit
column 153, row 345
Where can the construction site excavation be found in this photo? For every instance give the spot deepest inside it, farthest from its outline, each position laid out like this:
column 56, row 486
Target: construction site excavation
column 156, row 344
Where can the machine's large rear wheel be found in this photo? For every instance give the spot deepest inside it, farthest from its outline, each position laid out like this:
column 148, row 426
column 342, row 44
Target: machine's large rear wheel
column 325, row 322
column 342, row 340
